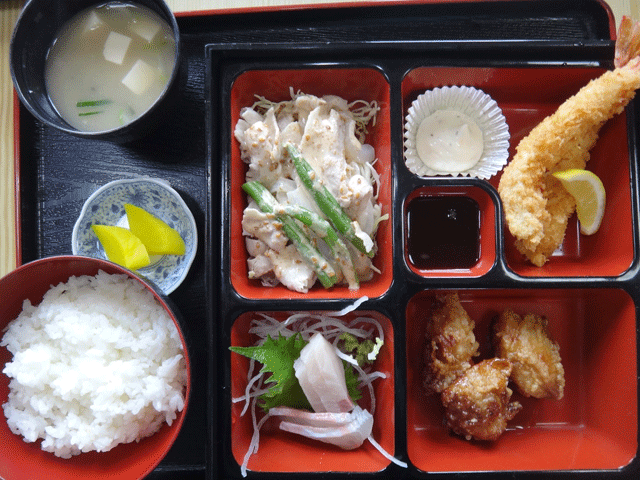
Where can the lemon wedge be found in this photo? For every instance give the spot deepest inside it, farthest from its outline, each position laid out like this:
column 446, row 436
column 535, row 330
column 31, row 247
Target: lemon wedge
column 589, row 193
column 122, row 246
column 158, row 237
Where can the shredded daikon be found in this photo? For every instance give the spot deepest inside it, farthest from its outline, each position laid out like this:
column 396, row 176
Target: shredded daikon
column 350, row 308
column 307, row 325
column 386, row 454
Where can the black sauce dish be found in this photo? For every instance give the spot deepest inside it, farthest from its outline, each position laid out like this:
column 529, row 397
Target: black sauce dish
column 36, row 29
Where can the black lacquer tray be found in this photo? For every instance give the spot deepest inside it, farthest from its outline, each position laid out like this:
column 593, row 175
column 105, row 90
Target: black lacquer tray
column 191, row 151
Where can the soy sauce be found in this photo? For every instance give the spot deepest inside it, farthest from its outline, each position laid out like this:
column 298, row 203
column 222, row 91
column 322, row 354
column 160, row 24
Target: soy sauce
column 443, row 232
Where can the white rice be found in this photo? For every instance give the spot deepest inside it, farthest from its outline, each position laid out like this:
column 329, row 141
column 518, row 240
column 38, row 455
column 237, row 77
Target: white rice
column 98, row 363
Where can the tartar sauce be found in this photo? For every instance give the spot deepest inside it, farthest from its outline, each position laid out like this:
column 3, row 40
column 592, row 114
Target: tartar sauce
column 449, row 141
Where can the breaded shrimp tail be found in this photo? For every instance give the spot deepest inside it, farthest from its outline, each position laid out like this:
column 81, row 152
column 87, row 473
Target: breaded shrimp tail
column 536, row 205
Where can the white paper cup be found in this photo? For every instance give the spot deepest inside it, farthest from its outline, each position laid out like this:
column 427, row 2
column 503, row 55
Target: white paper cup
column 476, row 105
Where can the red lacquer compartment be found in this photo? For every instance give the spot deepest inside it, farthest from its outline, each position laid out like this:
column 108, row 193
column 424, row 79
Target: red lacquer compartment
column 526, row 96
column 595, row 424
column 281, row 451
column 449, row 231
column 351, row 84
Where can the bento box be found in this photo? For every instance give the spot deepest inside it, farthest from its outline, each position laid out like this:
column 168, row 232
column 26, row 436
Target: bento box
column 529, row 60
column 587, row 280
column 581, row 286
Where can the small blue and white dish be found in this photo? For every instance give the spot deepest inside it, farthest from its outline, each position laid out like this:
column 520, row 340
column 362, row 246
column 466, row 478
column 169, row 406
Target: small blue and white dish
column 106, row 207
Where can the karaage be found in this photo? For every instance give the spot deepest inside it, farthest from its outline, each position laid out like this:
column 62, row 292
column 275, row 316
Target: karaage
column 450, row 343
column 525, row 342
column 477, row 405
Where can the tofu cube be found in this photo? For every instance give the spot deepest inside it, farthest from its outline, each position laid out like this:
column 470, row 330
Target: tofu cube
column 140, row 77
column 93, row 23
column 145, row 28
column 115, row 48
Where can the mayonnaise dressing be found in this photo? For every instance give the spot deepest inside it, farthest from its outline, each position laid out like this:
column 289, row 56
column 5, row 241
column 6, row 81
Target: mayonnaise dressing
column 449, row 141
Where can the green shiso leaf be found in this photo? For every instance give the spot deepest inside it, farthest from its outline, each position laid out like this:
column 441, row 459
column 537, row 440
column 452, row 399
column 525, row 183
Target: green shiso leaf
column 277, row 357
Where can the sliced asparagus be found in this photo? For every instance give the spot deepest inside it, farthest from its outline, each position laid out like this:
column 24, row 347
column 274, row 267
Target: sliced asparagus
column 326, row 201
column 324, row 271
column 324, row 230
column 316, row 223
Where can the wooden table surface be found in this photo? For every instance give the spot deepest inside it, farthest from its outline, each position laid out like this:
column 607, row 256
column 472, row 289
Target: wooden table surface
column 9, row 11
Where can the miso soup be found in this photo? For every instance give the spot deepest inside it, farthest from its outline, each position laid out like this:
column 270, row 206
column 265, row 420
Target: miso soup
column 108, row 65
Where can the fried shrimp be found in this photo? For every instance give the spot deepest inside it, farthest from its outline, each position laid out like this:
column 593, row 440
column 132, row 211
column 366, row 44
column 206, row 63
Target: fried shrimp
column 536, row 205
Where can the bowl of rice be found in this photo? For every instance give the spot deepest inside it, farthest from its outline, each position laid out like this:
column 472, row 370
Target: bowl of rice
column 95, row 372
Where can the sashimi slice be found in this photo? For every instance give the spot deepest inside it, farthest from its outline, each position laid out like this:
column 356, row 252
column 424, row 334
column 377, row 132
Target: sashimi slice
column 320, row 373
column 347, row 436
column 314, row 419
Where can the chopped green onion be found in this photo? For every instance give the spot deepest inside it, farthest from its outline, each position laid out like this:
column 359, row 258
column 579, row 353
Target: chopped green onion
column 157, row 45
column 93, row 103
column 126, row 115
column 86, row 114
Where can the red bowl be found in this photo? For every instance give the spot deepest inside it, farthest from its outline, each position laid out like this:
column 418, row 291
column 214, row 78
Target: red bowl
column 351, row 84
column 20, row 460
column 595, row 424
column 286, row 452
column 526, row 96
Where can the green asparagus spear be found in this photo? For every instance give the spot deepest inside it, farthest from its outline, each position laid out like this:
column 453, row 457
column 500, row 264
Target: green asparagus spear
column 326, row 201
column 324, row 271
column 317, row 224
column 324, row 230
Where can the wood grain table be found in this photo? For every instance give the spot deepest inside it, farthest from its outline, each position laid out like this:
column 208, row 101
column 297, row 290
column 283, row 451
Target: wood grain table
column 9, row 11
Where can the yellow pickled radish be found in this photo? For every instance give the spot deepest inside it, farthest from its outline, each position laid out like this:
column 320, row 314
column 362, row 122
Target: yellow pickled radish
column 588, row 191
column 158, row 237
column 122, row 246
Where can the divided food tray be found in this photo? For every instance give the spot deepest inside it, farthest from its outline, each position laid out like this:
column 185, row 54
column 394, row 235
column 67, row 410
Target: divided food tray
column 397, row 51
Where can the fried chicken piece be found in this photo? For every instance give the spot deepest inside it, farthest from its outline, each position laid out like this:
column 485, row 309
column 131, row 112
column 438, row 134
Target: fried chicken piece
column 450, row 343
column 478, row 403
column 537, row 367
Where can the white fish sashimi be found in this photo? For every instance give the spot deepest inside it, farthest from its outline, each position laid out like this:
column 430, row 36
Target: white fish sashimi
column 348, row 436
column 312, row 419
column 320, row 373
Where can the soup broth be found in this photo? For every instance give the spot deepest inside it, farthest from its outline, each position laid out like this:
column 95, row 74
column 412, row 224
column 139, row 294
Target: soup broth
column 108, row 65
